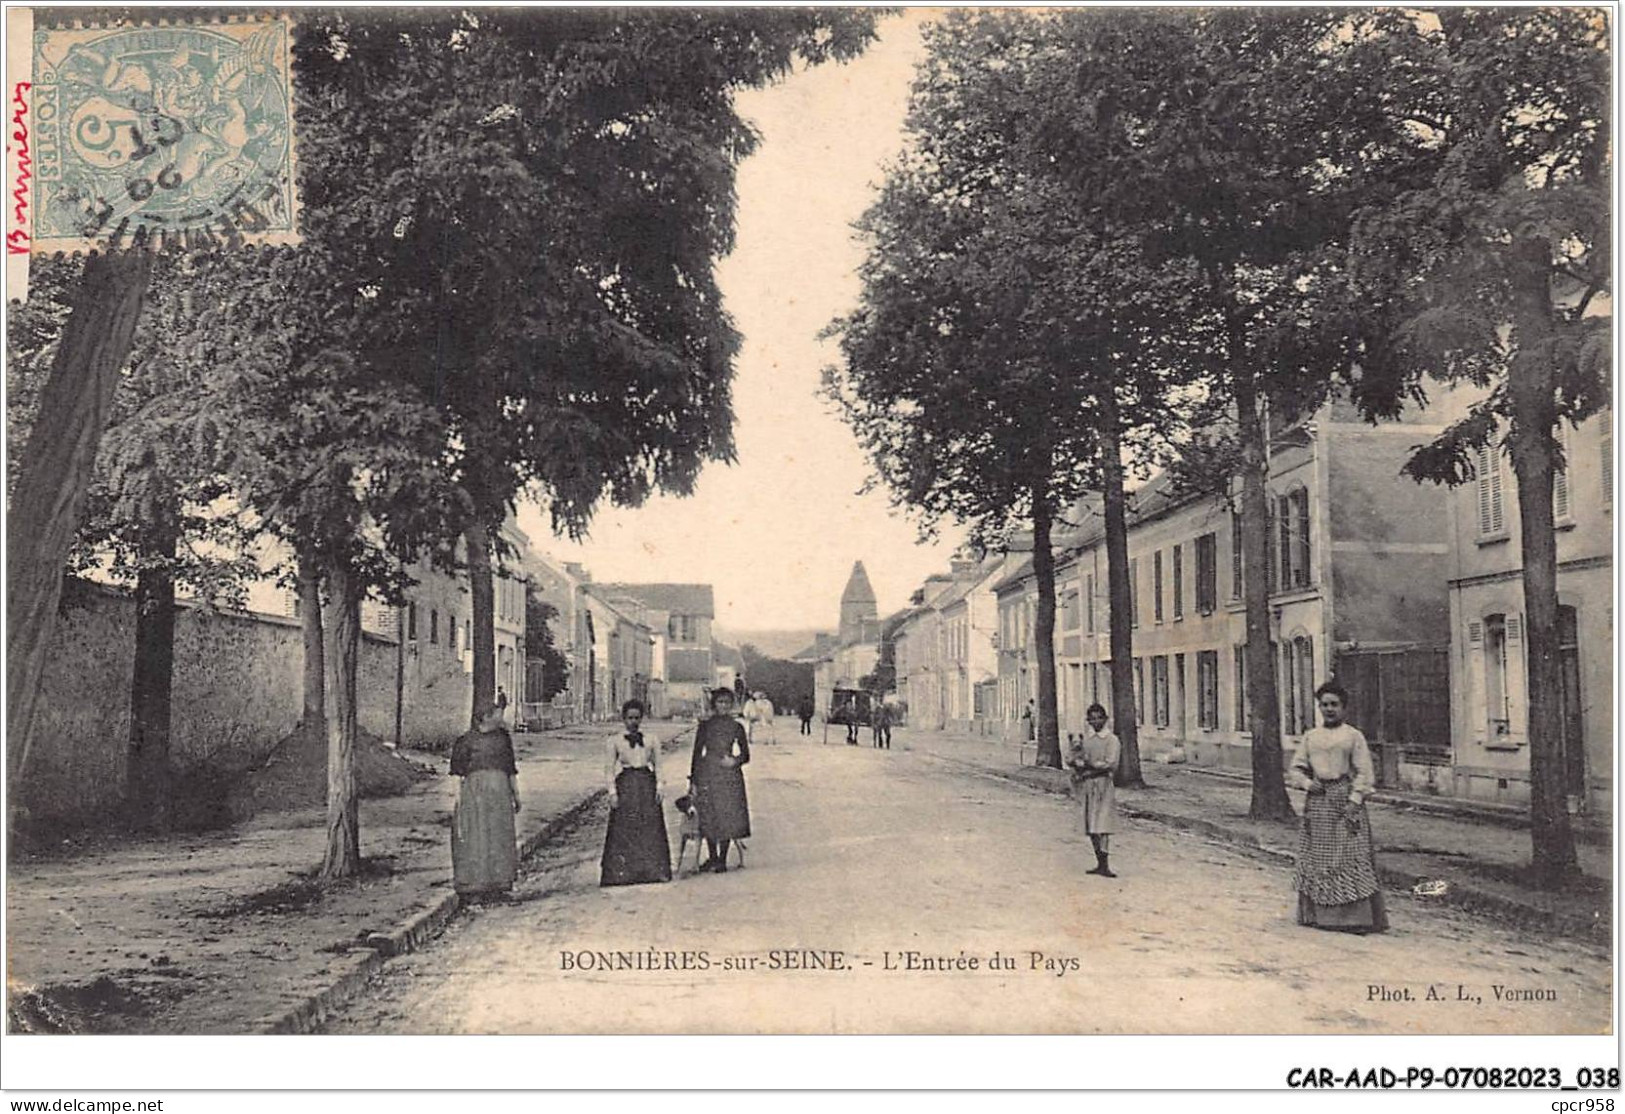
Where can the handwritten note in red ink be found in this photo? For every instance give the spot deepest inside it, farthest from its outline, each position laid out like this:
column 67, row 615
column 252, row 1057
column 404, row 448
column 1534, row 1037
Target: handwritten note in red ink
column 19, row 187
column 17, row 146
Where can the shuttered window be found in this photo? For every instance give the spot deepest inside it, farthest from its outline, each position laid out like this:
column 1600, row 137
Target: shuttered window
column 1561, row 510
column 1491, row 510
column 1207, row 683
column 1179, row 582
column 1159, row 690
column 1134, row 591
column 1207, row 574
column 1241, row 688
column 1235, row 555
column 1156, row 586
column 1605, row 438
column 1292, row 516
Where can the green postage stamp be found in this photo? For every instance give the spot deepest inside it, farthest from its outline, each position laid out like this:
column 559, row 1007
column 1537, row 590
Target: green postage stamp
column 169, row 135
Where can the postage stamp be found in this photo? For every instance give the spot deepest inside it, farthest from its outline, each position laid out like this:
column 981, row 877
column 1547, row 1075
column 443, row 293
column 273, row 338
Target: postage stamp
column 172, row 135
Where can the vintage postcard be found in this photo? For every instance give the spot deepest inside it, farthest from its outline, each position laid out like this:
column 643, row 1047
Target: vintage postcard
column 1086, row 522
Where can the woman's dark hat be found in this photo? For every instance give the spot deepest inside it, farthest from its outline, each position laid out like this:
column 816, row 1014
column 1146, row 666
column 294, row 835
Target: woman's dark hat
column 683, row 804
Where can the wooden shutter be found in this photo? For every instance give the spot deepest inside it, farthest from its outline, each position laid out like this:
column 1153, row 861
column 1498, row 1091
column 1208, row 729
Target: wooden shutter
column 1491, row 513
column 1517, row 680
column 1605, row 434
column 1476, row 712
column 1560, row 476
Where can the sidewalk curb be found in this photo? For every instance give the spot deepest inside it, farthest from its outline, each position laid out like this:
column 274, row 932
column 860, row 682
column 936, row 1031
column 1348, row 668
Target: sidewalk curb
column 1466, row 898
column 416, row 931
column 1502, row 816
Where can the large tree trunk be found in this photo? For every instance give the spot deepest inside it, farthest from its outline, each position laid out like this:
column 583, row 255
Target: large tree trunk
column 1269, row 801
column 343, row 856
column 1530, row 386
column 1048, row 726
column 1125, row 720
column 314, row 716
column 477, row 540
column 147, row 769
column 61, row 453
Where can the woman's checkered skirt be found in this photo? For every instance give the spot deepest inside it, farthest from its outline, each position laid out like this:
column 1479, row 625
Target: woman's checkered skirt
column 1335, row 866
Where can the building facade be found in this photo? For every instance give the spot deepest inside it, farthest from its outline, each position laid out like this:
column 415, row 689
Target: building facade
column 686, row 645
column 1488, row 648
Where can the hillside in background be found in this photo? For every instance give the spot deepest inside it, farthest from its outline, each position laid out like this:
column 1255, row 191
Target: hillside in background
column 768, row 643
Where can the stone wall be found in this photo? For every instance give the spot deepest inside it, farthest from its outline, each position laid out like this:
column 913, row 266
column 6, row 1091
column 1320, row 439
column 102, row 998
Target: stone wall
column 237, row 692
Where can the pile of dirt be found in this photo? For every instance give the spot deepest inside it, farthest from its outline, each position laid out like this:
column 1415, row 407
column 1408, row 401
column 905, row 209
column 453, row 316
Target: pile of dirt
column 294, row 774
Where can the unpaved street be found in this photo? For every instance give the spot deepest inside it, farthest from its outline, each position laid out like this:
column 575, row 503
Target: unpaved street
column 898, row 877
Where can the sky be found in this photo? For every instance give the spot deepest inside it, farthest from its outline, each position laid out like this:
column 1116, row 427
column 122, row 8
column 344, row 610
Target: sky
column 776, row 533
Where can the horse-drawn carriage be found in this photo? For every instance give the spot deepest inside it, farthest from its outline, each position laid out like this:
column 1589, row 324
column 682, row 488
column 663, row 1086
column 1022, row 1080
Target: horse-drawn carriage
column 851, row 706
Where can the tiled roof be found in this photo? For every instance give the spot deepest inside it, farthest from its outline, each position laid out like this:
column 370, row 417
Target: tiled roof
column 677, row 599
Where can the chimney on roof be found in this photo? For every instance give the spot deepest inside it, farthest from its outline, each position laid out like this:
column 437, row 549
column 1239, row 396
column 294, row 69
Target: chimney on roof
column 574, row 569
column 963, row 568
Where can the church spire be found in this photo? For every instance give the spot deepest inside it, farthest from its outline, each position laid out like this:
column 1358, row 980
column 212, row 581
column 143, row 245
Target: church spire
column 857, row 605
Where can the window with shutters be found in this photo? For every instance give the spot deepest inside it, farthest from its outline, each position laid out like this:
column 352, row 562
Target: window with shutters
column 1134, row 592
column 1159, row 690
column 1298, row 685
column 1207, row 574
column 1562, row 512
column 1497, row 701
column 1139, row 690
column 434, row 626
column 1235, row 555
column 1605, row 440
column 1207, row 685
column 1289, row 693
column 1179, row 582
column 451, row 632
column 1292, row 522
column 1240, row 656
column 1491, row 508
column 1156, row 586
column 411, row 622
column 1304, row 651
column 1069, row 610
column 1089, row 603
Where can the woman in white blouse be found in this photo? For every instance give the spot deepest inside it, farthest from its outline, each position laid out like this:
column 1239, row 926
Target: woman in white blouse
column 1336, row 877
column 635, row 847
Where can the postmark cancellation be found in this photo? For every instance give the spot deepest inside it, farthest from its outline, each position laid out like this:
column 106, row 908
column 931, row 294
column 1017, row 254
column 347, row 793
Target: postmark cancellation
column 174, row 135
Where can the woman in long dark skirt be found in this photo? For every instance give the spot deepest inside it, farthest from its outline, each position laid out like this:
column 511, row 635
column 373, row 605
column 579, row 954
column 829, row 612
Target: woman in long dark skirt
column 635, row 847
column 716, row 781
column 484, row 854
column 1336, row 876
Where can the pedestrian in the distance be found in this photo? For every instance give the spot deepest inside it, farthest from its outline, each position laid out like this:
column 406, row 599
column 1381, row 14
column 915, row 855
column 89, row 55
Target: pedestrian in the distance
column 804, row 710
column 1336, row 876
column 854, row 719
column 760, row 714
column 882, row 725
column 1094, row 756
column 716, row 781
column 484, row 856
column 502, row 703
column 635, row 847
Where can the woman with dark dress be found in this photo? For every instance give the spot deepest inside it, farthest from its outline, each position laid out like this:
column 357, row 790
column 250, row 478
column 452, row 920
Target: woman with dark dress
column 484, row 855
column 1336, row 878
column 635, row 847
column 716, row 781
